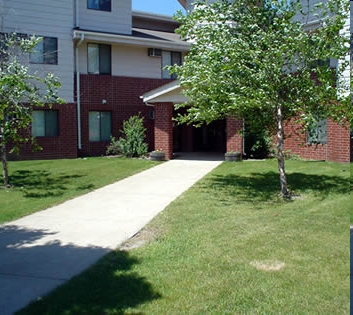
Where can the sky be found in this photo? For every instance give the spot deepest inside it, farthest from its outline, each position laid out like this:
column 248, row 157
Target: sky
column 166, row 7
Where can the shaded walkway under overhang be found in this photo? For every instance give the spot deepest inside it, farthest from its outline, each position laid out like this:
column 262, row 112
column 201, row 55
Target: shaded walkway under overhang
column 163, row 99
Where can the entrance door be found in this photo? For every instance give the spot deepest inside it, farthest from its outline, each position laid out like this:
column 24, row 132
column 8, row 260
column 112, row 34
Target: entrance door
column 210, row 137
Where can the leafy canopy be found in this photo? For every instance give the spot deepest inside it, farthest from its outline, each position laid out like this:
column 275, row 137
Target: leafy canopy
column 21, row 89
column 248, row 57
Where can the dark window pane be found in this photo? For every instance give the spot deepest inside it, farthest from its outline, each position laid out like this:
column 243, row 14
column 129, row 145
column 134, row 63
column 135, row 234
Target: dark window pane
column 45, row 123
column 46, row 51
column 105, row 127
column 104, row 59
column 99, row 126
column 176, row 58
column 105, row 5
column 51, row 123
column 50, row 50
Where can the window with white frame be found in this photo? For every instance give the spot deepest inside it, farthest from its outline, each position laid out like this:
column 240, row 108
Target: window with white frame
column 317, row 132
column 170, row 58
column 100, row 126
column 45, row 52
column 99, row 59
column 45, row 123
column 101, row 5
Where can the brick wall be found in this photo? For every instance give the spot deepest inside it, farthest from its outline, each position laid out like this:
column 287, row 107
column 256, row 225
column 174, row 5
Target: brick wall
column 164, row 128
column 62, row 146
column 337, row 148
column 122, row 97
column 234, row 137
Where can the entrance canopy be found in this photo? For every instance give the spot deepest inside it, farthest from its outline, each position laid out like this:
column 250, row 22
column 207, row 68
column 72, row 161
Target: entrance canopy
column 168, row 137
column 167, row 93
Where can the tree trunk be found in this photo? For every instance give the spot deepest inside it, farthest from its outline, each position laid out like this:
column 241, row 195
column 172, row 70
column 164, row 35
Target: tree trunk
column 5, row 171
column 280, row 156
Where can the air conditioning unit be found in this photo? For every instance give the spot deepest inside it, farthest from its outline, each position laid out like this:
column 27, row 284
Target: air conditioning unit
column 154, row 52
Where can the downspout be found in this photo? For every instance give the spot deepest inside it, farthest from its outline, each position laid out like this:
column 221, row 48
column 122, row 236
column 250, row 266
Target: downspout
column 78, row 93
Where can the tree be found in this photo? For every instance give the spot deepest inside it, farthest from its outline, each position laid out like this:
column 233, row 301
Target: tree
column 256, row 60
column 20, row 91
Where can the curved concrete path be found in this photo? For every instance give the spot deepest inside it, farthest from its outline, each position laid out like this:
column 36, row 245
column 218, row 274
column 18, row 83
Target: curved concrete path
column 47, row 248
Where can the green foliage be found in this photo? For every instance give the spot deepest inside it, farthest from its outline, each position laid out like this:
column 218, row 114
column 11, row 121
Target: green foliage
column 114, row 147
column 131, row 143
column 259, row 61
column 264, row 58
column 259, row 144
column 20, row 91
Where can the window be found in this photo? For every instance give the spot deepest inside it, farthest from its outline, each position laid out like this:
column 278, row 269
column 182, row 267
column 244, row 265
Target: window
column 99, row 126
column 317, row 132
column 99, row 58
column 102, row 5
column 46, row 51
column 45, row 123
column 170, row 58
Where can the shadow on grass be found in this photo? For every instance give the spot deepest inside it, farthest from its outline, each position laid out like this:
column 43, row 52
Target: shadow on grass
column 264, row 186
column 109, row 286
column 42, row 183
column 30, row 267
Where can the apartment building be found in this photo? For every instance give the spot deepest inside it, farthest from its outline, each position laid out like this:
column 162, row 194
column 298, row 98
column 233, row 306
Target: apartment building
column 106, row 57
column 331, row 141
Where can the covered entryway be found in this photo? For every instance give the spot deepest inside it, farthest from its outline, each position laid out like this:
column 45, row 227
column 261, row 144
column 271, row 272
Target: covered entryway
column 206, row 138
column 218, row 136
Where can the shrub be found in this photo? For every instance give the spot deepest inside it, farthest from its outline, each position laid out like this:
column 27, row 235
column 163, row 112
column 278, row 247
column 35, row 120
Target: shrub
column 114, row 147
column 131, row 143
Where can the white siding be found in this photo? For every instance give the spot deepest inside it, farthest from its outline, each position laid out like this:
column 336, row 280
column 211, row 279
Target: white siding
column 54, row 19
column 134, row 62
column 127, row 61
column 344, row 81
column 117, row 21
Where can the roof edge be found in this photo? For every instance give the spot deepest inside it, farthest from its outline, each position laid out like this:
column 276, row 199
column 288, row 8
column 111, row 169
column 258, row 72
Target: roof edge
column 130, row 40
column 166, row 88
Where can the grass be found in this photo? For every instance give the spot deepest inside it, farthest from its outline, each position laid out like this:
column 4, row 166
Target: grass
column 229, row 245
column 351, row 188
column 37, row 185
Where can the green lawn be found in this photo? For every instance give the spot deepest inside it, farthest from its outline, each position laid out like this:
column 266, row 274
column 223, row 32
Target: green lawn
column 37, row 185
column 229, row 245
column 351, row 188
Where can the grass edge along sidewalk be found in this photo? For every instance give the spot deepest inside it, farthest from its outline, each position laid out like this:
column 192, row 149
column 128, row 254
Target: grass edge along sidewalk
column 229, row 245
column 37, row 185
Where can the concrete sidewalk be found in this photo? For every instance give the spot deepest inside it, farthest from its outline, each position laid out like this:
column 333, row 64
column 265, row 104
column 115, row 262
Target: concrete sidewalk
column 43, row 250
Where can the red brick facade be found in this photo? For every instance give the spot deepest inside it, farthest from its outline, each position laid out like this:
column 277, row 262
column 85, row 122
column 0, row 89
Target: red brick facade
column 121, row 97
column 62, row 146
column 234, row 137
column 337, row 148
column 163, row 128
